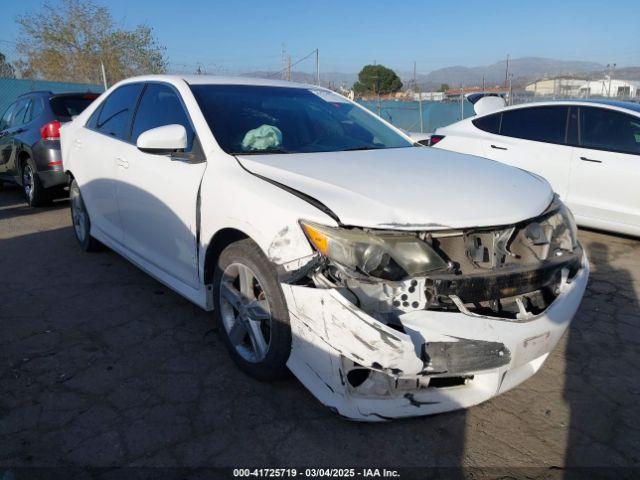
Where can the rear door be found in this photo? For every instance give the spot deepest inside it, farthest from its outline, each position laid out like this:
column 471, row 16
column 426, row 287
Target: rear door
column 158, row 194
column 605, row 177
column 5, row 139
column 534, row 139
column 8, row 140
column 97, row 151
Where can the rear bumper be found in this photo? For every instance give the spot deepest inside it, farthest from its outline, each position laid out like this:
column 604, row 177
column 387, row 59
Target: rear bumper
column 48, row 160
column 490, row 355
column 53, row 178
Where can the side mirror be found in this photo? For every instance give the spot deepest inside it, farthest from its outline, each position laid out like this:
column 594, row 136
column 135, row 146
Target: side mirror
column 163, row 140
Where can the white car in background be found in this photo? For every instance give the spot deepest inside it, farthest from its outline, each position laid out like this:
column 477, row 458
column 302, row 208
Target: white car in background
column 588, row 150
column 393, row 280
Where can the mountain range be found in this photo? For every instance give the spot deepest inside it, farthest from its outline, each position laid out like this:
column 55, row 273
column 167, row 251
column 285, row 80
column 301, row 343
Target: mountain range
column 524, row 70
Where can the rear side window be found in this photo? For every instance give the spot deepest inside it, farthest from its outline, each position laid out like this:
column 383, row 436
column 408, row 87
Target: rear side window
column 490, row 123
column 36, row 107
column 19, row 113
column 541, row 124
column 65, row 107
column 114, row 117
column 160, row 105
column 609, row 130
column 6, row 117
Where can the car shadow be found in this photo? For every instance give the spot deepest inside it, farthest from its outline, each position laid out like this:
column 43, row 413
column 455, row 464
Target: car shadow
column 13, row 203
column 602, row 388
column 104, row 366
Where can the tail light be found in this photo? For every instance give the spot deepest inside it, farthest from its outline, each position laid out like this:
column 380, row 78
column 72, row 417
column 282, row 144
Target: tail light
column 51, row 130
column 435, row 139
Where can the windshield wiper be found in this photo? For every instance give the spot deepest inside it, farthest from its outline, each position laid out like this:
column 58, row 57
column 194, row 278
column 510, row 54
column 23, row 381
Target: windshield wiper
column 261, row 152
column 362, row 147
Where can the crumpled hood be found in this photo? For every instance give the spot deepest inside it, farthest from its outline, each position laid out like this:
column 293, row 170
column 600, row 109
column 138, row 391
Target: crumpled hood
column 409, row 188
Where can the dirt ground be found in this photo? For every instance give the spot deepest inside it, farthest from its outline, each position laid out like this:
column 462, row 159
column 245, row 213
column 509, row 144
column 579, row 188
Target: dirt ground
column 100, row 365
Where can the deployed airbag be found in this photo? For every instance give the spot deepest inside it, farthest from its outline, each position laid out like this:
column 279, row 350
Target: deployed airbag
column 264, row 137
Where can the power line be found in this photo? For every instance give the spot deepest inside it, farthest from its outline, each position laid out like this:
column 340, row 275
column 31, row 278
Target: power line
column 291, row 65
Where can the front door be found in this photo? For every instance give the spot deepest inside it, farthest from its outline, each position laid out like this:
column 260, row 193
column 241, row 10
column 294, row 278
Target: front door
column 158, row 194
column 605, row 175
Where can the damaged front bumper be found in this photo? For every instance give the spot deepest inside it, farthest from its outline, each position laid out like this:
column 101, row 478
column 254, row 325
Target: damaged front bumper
column 431, row 362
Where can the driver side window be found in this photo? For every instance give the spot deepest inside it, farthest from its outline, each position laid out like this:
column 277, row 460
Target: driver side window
column 160, row 105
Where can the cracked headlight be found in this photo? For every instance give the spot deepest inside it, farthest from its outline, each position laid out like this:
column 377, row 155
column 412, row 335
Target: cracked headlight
column 563, row 231
column 390, row 256
column 555, row 233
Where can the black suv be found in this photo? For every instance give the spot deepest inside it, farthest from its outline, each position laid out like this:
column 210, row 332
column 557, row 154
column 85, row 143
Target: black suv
column 30, row 141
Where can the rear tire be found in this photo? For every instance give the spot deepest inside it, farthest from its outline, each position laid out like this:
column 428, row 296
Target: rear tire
column 36, row 194
column 80, row 221
column 251, row 311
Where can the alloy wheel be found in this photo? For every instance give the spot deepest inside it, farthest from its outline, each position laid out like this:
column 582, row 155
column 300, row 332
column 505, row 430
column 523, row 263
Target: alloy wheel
column 78, row 215
column 27, row 182
column 245, row 312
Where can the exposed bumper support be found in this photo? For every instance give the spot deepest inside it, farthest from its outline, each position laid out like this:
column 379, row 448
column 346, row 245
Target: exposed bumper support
column 332, row 338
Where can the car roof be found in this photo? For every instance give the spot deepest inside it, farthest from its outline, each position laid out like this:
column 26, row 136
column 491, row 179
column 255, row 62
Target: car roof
column 612, row 104
column 220, row 80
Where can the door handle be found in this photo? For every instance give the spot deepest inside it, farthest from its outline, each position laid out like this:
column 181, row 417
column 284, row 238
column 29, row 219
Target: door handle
column 585, row 159
column 122, row 162
column 498, row 148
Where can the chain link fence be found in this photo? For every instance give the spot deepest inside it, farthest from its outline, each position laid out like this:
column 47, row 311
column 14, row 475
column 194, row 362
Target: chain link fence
column 406, row 114
column 403, row 114
column 12, row 88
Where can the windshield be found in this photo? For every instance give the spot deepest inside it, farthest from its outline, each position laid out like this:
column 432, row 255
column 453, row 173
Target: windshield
column 247, row 119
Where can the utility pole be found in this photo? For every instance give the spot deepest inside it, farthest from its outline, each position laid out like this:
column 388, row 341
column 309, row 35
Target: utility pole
column 511, row 88
column 317, row 67
column 284, row 62
column 482, row 83
column 289, row 67
column 104, row 76
column 611, row 68
column 506, row 72
column 462, row 101
column 416, row 89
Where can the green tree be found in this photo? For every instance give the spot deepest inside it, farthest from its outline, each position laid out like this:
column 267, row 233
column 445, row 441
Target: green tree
column 6, row 69
column 67, row 40
column 377, row 79
column 444, row 87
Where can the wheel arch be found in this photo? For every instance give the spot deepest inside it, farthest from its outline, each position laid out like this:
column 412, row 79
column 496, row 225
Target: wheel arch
column 220, row 240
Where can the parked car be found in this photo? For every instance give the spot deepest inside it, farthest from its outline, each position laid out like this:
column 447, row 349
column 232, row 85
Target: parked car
column 30, row 141
column 392, row 280
column 588, row 150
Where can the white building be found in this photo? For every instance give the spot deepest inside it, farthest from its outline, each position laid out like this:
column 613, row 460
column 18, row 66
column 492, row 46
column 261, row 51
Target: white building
column 558, row 87
column 611, row 87
column 428, row 96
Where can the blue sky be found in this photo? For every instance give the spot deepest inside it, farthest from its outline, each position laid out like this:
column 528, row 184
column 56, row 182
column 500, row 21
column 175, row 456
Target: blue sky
column 244, row 35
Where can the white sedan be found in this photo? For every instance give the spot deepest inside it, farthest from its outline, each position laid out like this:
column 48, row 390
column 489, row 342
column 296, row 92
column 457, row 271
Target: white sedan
column 392, row 280
column 588, row 150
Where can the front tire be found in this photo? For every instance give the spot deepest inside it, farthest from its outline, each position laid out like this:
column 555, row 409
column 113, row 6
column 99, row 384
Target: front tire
column 251, row 311
column 36, row 194
column 80, row 220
